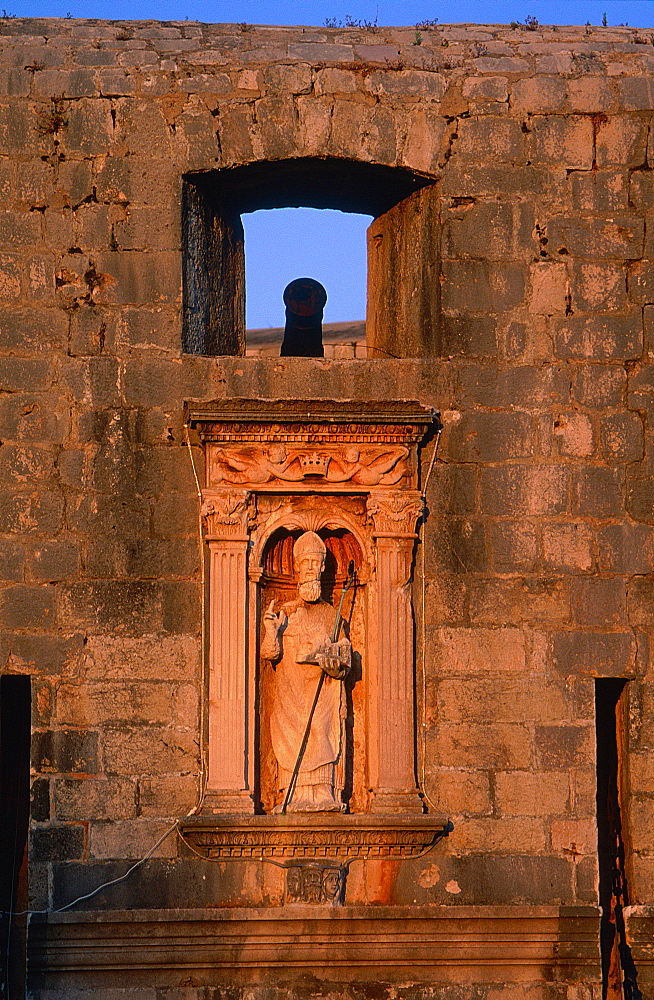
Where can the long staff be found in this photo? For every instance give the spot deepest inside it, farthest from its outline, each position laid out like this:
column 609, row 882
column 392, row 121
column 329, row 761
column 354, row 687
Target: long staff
column 305, row 739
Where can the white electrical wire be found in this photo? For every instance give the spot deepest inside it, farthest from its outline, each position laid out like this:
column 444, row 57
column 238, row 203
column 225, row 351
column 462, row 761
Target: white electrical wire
column 203, row 766
column 423, row 629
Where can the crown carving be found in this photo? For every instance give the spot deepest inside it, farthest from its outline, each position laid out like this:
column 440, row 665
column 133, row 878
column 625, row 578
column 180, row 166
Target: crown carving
column 314, row 464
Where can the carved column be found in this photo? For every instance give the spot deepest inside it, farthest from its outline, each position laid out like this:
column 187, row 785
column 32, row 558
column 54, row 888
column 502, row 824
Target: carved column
column 394, row 515
column 226, row 512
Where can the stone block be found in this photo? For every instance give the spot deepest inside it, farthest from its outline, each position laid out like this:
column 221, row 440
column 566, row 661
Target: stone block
column 112, row 605
column 486, row 88
column 622, row 437
column 130, row 839
column 423, row 84
column 620, row 238
column 598, row 287
column 149, row 229
column 597, row 337
column 598, row 492
column 53, row 561
column 640, row 500
column 494, row 745
column 591, row 95
column 641, row 190
column 478, row 285
column 167, row 795
column 491, row 231
column 526, row 489
column 149, row 750
column 565, row 140
column 236, row 127
column 446, row 600
column 519, row 600
column 458, row 792
column 114, row 702
column 26, row 464
column 513, row 545
column 12, row 561
column 538, row 94
column 599, row 602
column 522, row 835
column 23, row 606
column 469, row 336
column 11, row 269
column 563, row 747
column 486, row 437
column 137, row 277
column 595, row 654
column 47, row 654
column 181, row 607
column 35, row 329
column 575, row 836
column 599, row 191
column 570, row 433
column 335, row 81
column 600, row 385
column 471, row 651
column 626, row 548
column 457, row 545
column 549, row 288
column 34, row 417
column 65, row 751
column 499, row 700
column 568, row 548
column 640, row 594
column 57, row 843
column 23, row 513
column 151, row 657
column 501, row 139
column 642, row 823
column 154, row 382
column 277, row 126
column 520, row 386
column 40, row 800
column 92, row 799
column 641, row 282
column 635, row 92
column 532, row 793
column 621, row 141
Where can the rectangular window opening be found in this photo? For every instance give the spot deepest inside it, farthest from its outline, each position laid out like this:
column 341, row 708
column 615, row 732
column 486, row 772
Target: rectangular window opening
column 15, row 730
column 618, row 970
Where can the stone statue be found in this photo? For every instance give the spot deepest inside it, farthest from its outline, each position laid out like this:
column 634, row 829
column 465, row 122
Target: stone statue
column 297, row 640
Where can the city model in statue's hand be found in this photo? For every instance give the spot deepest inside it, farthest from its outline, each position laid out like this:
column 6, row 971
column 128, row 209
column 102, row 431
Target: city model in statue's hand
column 298, row 641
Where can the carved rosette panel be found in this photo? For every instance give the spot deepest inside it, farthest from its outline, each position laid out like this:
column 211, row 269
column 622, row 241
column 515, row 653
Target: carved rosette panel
column 293, row 466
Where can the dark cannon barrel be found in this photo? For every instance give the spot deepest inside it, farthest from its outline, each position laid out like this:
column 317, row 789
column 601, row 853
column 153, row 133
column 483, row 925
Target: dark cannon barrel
column 305, row 300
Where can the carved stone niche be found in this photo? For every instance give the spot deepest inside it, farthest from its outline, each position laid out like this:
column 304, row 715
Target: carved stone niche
column 348, row 473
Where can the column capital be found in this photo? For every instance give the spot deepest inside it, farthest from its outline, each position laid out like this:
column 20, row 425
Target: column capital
column 395, row 513
column 227, row 513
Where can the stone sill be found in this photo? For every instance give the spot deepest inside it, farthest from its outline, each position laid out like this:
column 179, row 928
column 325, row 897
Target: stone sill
column 464, row 944
column 302, row 836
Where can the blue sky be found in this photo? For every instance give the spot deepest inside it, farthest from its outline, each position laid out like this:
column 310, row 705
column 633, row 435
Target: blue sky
column 329, row 246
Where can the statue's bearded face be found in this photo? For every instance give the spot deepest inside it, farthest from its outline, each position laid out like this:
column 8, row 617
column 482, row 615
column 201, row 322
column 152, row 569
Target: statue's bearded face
column 308, row 569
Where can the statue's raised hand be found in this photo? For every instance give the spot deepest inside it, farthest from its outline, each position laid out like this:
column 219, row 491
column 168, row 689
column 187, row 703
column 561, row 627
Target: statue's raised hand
column 272, row 622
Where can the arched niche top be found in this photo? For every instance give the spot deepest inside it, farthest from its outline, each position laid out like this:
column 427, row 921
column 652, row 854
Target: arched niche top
column 403, row 312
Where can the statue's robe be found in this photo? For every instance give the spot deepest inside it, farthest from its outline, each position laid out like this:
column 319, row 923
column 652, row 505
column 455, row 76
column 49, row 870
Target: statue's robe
column 307, row 628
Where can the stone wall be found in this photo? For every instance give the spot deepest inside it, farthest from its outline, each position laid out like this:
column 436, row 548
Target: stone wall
column 539, row 547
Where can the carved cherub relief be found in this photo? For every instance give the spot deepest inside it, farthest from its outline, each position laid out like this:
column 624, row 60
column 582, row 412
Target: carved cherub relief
column 372, row 467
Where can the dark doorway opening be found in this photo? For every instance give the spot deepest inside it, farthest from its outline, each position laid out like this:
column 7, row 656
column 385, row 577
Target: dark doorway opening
column 15, row 728
column 618, row 969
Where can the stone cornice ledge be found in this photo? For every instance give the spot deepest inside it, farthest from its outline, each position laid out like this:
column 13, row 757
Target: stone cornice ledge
column 463, row 944
column 318, row 836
